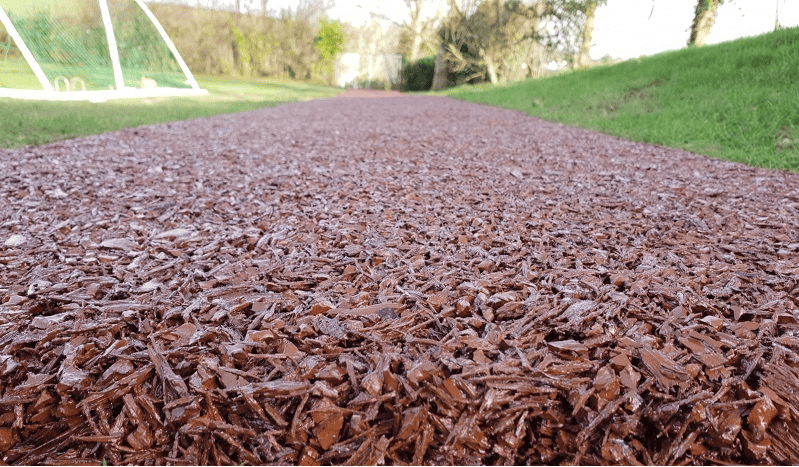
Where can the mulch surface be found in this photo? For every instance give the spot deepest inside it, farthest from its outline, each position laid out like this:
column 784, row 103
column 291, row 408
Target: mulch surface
column 397, row 280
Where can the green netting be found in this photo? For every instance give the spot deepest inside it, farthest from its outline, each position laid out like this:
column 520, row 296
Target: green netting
column 14, row 70
column 68, row 40
column 142, row 51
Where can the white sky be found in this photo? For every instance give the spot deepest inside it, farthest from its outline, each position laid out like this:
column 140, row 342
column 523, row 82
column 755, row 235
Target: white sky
column 622, row 29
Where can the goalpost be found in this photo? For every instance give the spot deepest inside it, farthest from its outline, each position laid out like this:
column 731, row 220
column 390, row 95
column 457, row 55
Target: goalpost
column 93, row 50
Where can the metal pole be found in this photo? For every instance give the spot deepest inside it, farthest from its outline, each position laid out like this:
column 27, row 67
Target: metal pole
column 37, row 70
column 112, row 45
column 169, row 43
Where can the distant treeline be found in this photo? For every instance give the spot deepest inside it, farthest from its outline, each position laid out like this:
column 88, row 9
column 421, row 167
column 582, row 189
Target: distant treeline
column 298, row 44
column 215, row 42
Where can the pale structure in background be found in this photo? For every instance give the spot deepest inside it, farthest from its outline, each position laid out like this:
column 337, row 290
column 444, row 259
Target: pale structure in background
column 348, row 68
column 352, row 68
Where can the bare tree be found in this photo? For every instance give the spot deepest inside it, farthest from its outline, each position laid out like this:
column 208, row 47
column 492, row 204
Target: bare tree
column 312, row 10
column 501, row 38
column 514, row 39
column 417, row 27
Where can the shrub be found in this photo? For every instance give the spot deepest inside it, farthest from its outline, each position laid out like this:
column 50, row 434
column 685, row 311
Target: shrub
column 366, row 83
column 418, row 76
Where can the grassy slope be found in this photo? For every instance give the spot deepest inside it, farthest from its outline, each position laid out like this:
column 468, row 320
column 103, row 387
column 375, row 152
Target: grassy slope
column 737, row 101
column 27, row 123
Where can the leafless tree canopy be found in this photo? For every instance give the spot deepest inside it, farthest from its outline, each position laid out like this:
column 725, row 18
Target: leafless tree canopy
column 508, row 40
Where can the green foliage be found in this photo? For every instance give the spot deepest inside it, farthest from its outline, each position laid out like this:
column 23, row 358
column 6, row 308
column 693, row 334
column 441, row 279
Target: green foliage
column 211, row 41
column 5, row 46
column 223, row 43
column 577, row 6
column 241, row 50
column 418, row 75
column 735, row 101
column 25, row 122
column 72, row 45
column 50, row 39
column 330, row 40
column 139, row 44
column 328, row 43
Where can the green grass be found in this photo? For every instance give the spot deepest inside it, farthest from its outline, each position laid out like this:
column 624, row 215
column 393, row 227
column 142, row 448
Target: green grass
column 25, row 123
column 16, row 74
column 737, row 101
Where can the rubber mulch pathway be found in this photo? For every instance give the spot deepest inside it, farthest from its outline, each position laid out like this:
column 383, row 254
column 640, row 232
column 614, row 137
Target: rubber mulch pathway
column 394, row 280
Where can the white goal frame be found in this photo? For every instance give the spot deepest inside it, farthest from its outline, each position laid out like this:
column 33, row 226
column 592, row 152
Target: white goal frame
column 50, row 93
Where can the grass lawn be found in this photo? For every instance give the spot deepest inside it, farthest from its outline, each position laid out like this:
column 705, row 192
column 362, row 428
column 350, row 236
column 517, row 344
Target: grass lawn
column 25, row 123
column 737, row 101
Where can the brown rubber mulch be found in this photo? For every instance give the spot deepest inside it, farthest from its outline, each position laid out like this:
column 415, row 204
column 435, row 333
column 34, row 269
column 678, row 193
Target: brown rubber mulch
column 398, row 280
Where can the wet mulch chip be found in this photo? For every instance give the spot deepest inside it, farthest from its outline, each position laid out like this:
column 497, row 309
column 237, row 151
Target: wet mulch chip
column 406, row 280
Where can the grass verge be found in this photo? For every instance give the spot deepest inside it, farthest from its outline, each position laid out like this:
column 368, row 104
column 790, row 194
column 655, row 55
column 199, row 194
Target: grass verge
column 737, row 101
column 24, row 123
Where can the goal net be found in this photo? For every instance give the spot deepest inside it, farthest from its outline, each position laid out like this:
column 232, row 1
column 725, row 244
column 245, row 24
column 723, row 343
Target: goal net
column 87, row 50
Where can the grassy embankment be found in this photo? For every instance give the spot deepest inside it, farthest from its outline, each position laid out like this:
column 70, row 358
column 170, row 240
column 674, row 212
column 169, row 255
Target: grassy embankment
column 737, row 101
column 25, row 123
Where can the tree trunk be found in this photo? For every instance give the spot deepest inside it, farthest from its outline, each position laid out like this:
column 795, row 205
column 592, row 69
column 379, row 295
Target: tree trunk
column 416, row 28
column 492, row 68
column 704, row 17
column 537, row 59
column 416, row 45
column 583, row 57
column 440, row 73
